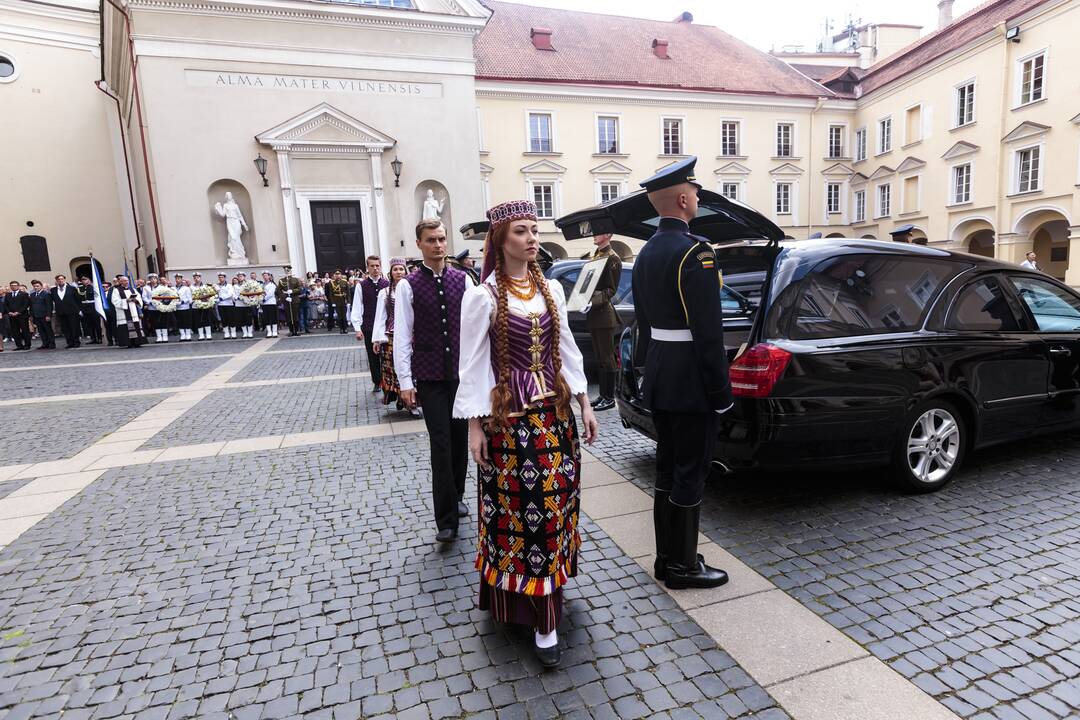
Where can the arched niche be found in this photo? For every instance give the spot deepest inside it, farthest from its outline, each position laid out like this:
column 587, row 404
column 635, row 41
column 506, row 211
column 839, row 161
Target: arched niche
column 980, row 242
column 218, row 234
column 80, row 267
column 440, row 194
column 835, row 235
column 557, row 250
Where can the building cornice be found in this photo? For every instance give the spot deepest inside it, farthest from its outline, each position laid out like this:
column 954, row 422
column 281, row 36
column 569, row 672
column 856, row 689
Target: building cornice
column 79, row 12
column 54, row 38
column 570, row 92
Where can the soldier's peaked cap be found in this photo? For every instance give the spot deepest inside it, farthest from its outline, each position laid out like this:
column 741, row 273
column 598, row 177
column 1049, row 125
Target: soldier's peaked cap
column 676, row 173
column 902, row 230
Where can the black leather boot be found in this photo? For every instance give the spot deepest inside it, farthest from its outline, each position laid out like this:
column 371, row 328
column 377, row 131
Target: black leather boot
column 661, row 520
column 685, row 568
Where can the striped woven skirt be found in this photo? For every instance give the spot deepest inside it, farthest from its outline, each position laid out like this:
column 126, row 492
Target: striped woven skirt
column 389, row 382
column 528, row 536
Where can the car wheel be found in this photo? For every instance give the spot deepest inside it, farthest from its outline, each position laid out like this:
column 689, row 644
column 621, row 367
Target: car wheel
column 930, row 447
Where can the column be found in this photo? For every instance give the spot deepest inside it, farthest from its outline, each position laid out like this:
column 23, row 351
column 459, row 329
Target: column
column 1072, row 272
column 1012, row 247
column 288, row 204
column 380, row 207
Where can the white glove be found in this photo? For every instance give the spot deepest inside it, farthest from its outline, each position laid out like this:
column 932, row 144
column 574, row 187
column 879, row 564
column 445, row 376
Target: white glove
column 585, row 310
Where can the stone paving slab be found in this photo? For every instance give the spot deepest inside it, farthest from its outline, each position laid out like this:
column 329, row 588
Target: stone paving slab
column 53, row 431
column 104, row 378
column 313, row 362
column 970, row 592
column 305, row 582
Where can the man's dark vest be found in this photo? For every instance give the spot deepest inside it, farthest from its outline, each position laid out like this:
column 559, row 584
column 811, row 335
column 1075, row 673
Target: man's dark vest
column 369, row 291
column 436, row 322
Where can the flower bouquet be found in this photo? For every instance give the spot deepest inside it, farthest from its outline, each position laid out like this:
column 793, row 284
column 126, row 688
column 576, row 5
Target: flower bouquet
column 164, row 299
column 251, row 292
column 203, row 297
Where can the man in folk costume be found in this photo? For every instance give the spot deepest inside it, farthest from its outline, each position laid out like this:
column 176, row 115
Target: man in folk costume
column 226, row 305
column 269, row 305
column 337, row 297
column 127, row 301
column 602, row 320
column 519, row 371
column 427, row 329
column 290, row 290
column 364, row 306
column 686, row 386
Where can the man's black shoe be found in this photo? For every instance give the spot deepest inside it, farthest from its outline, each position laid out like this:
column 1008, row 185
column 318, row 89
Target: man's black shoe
column 446, row 535
column 602, row 404
column 549, row 657
column 462, row 509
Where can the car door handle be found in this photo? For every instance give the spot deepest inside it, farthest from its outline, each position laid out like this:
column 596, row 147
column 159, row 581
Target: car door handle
column 1060, row 351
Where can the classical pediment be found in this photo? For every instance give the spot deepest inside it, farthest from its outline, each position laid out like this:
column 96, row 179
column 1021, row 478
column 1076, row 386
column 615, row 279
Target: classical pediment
column 786, row 169
column 909, row 164
column 1026, row 131
column 733, row 168
column 543, row 167
column 611, row 167
column 324, row 126
column 837, row 169
column 881, row 172
column 1075, row 119
column 959, row 150
column 858, row 179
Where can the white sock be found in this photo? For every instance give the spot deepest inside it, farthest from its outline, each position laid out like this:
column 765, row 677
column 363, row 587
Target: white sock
column 546, row 641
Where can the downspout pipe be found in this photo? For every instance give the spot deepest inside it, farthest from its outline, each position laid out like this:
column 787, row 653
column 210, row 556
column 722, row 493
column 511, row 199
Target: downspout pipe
column 810, row 180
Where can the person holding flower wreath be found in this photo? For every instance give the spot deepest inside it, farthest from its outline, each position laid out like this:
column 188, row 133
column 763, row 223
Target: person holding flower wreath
column 269, row 305
column 203, row 300
column 519, row 370
column 183, row 308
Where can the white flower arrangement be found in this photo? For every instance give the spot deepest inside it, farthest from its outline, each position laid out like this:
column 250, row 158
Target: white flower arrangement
column 251, row 292
column 203, row 297
column 164, row 299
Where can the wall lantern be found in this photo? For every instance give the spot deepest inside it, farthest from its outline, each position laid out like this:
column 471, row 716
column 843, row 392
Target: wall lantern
column 260, row 165
column 395, row 165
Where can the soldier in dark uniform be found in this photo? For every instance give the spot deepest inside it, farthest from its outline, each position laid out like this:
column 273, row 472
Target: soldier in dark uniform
column 290, row 290
column 680, row 334
column 337, row 296
column 602, row 320
column 91, row 322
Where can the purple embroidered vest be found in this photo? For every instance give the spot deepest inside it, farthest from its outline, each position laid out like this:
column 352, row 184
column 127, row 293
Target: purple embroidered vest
column 532, row 369
column 369, row 291
column 391, row 296
column 436, row 338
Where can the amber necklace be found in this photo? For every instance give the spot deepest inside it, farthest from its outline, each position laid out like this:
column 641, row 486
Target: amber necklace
column 523, row 289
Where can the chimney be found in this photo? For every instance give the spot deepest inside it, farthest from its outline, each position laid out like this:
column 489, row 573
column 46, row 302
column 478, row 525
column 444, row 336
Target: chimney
column 684, row 17
column 541, row 38
column 659, row 48
column 944, row 13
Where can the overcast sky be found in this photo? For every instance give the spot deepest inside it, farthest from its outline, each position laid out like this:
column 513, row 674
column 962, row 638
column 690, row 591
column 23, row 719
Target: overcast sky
column 768, row 24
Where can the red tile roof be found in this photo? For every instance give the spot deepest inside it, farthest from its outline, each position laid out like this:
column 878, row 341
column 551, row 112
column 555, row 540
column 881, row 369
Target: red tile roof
column 616, row 50
column 958, row 33
column 818, row 72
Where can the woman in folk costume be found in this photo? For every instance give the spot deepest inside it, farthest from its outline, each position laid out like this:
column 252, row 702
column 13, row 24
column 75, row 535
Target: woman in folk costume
column 519, row 370
column 382, row 335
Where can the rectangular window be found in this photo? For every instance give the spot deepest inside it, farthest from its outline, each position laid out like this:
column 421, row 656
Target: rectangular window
column 784, row 133
column 729, row 138
column 608, row 191
column 911, row 194
column 884, row 200
column 884, row 135
column 35, row 252
column 730, row 190
column 783, row 198
column 961, row 184
column 965, row 104
column 832, row 197
column 607, row 135
column 544, row 197
column 1027, row 170
column 860, row 144
column 836, row 141
column 672, row 140
column 913, row 124
column 540, row 133
column 1031, row 78
column 860, row 205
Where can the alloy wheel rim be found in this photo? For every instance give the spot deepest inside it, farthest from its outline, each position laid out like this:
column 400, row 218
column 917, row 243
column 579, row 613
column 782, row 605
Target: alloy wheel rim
column 933, row 445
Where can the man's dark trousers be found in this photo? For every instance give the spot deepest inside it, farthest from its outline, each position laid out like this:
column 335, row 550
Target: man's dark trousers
column 449, row 440
column 20, row 330
column 45, row 332
column 684, row 453
column 374, row 363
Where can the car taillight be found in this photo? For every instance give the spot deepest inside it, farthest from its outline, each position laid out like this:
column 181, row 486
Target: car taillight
column 757, row 370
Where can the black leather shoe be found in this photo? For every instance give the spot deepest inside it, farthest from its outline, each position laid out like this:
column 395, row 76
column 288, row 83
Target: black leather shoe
column 602, row 404
column 685, row 568
column 549, row 657
column 462, row 509
column 446, row 535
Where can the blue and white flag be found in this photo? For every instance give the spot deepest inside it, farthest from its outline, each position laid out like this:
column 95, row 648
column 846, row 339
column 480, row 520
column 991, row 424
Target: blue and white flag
column 101, row 303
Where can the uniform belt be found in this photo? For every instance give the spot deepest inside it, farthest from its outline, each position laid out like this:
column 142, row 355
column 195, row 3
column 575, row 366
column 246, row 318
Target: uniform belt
column 671, row 335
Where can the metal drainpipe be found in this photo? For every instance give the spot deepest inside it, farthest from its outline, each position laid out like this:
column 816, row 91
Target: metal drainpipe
column 810, row 165
column 999, row 172
column 160, row 251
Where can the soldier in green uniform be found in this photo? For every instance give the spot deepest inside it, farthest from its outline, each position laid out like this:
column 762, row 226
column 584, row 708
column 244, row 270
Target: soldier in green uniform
column 602, row 320
column 290, row 290
column 337, row 295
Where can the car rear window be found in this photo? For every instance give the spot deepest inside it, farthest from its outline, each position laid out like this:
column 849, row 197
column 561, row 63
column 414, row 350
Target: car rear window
column 866, row 295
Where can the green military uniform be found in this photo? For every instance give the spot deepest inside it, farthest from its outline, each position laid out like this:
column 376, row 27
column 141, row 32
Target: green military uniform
column 601, row 321
column 337, row 294
column 289, row 290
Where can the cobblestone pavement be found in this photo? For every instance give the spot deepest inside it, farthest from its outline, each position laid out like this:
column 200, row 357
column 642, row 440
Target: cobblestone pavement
column 319, row 361
column 971, row 592
column 103, row 378
column 9, row 486
column 277, row 585
column 52, row 431
column 104, row 353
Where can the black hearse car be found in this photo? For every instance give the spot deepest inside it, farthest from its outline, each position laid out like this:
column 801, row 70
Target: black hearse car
column 865, row 353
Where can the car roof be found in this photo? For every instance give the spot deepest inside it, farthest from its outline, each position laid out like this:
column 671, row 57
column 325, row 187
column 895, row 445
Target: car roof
column 830, row 247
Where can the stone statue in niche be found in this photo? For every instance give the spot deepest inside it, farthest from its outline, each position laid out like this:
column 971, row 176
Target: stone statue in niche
column 432, row 208
column 235, row 226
